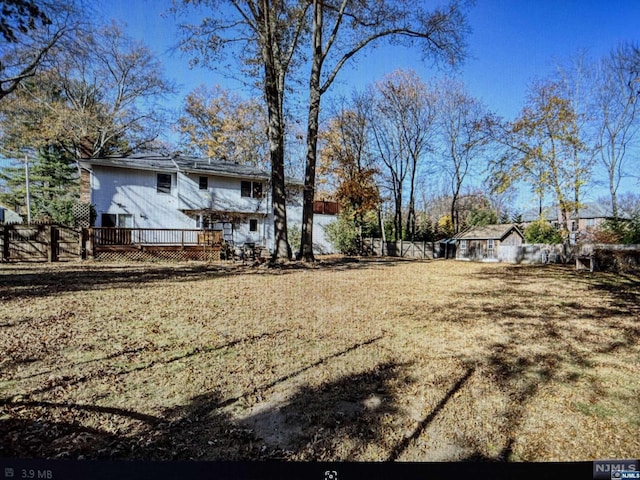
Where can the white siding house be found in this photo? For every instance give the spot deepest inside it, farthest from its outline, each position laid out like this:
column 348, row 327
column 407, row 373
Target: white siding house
column 150, row 191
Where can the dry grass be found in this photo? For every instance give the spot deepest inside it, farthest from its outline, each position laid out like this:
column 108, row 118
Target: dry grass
column 368, row 360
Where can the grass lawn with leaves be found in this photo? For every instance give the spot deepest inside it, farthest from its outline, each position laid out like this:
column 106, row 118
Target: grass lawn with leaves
column 363, row 360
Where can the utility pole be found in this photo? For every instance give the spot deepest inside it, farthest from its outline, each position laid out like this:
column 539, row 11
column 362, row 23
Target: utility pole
column 26, row 179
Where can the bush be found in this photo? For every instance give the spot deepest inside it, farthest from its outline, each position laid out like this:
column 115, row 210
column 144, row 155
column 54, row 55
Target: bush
column 541, row 231
column 294, row 234
column 343, row 235
column 619, row 231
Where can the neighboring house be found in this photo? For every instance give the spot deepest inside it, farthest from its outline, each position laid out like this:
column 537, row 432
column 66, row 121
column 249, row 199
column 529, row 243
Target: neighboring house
column 9, row 216
column 152, row 191
column 488, row 243
column 589, row 216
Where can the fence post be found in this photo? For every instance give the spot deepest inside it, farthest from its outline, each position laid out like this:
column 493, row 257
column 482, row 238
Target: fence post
column 5, row 242
column 53, row 244
column 91, row 234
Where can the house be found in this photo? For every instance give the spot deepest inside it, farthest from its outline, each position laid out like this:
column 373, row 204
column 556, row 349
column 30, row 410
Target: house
column 488, row 242
column 588, row 217
column 9, row 216
column 155, row 191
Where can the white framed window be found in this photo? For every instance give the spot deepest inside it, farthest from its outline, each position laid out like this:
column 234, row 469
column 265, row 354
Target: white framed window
column 251, row 189
column 119, row 220
column 253, row 224
column 163, row 183
column 463, row 246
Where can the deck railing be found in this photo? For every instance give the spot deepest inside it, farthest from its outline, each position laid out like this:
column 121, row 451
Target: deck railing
column 104, row 236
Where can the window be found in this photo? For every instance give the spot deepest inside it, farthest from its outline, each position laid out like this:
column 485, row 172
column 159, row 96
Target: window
column 108, row 220
column 163, row 184
column 251, row 189
column 463, row 246
column 120, row 220
column 257, row 190
column 253, row 225
column 574, row 226
column 490, row 247
column 245, row 189
column 204, row 183
column 125, row 220
column 591, row 222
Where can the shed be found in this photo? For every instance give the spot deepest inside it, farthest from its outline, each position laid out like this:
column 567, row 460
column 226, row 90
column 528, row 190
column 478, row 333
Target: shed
column 488, row 242
column 9, row 216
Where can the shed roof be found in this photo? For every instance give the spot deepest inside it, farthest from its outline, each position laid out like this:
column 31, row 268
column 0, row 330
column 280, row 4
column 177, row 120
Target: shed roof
column 489, row 232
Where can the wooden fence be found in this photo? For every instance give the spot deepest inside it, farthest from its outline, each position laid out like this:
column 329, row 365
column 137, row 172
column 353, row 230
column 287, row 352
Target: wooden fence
column 39, row 242
column 401, row 248
column 44, row 242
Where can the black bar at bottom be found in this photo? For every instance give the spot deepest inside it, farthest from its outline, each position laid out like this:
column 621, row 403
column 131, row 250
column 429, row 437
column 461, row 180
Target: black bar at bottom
column 21, row 469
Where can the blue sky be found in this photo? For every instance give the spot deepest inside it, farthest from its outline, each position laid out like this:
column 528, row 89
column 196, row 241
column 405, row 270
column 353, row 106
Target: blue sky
column 512, row 42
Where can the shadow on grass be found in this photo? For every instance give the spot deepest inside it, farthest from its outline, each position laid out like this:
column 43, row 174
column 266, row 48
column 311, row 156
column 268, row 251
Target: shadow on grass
column 557, row 344
column 27, row 280
column 314, row 421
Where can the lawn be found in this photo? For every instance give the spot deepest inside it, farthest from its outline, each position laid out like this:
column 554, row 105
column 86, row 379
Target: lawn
column 366, row 360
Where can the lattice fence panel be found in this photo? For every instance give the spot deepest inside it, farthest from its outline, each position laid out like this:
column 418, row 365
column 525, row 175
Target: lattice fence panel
column 82, row 215
column 205, row 255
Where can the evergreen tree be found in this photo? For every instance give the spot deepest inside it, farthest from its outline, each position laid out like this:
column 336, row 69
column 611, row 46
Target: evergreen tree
column 53, row 186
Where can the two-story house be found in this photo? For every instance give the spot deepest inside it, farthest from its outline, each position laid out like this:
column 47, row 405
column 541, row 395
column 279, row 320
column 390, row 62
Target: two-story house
column 153, row 191
column 589, row 216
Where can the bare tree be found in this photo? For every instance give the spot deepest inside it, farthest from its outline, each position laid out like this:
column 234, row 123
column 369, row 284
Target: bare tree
column 463, row 137
column 615, row 109
column 30, row 30
column 402, row 127
column 98, row 95
column 341, row 29
column 263, row 35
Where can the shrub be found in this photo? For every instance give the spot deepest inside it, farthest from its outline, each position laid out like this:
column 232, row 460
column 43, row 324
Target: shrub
column 343, row 235
column 541, row 231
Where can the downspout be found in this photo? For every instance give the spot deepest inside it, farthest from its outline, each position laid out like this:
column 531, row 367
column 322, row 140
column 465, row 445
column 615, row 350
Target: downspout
column 177, row 179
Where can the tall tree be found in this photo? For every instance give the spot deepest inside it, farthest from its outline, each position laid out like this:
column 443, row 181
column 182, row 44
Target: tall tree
column 461, row 124
column 30, row 29
column 615, row 108
column 98, row 96
column 263, row 35
column 342, row 28
column 544, row 140
column 575, row 83
column 345, row 158
column 402, row 127
column 220, row 125
column 53, row 186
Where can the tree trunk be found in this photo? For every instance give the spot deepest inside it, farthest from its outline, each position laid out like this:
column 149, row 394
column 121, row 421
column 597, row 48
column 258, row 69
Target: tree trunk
column 273, row 87
column 398, row 216
column 306, row 240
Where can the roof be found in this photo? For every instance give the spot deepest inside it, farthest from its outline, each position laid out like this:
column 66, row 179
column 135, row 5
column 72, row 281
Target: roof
column 179, row 163
column 9, row 216
column 488, row 232
column 587, row 210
